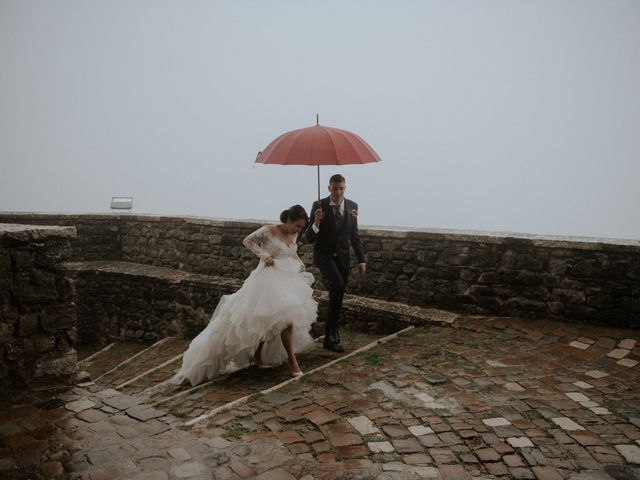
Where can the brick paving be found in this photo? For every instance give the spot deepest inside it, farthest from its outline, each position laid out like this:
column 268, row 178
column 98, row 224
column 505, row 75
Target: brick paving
column 485, row 398
column 247, row 382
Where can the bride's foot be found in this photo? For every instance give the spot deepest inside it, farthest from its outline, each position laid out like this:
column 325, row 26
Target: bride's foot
column 295, row 370
column 259, row 363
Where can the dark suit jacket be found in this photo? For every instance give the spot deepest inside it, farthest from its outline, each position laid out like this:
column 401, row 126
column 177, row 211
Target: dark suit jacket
column 334, row 238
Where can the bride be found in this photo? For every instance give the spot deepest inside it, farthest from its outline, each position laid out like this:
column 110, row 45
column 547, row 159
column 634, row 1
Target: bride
column 268, row 320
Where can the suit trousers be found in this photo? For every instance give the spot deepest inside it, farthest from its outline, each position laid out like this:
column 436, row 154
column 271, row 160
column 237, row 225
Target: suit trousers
column 335, row 277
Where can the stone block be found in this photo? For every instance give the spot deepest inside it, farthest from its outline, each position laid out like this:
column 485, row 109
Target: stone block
column 5, row 261
column 491, row 303
column 481, row 290
column 528, row 278
column 54, row 367
column 44, row 343
column 529, row 262
column 519, row 304
column 6, row 333
column 579, row 312
column 380, row 447
column 567, row 295
column 567, row 424
column 5, row 290
column 35, row 286
column 27, row 324
column 539, row 292
column 22, row 259
column 585, row 268
column 191, row 469
column 519, row 442
column 65, row 288
column 56, row 317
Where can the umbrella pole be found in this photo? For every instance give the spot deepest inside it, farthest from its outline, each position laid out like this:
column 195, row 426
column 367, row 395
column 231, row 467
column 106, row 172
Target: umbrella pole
column 318, row 182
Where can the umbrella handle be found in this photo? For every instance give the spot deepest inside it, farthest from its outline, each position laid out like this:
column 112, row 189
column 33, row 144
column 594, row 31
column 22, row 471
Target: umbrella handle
column 318, row 123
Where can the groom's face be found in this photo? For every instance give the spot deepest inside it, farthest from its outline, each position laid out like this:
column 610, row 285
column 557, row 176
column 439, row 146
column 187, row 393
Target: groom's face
column 337, row 191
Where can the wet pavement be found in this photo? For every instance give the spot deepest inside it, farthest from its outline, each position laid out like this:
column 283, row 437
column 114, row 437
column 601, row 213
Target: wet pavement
column 482, row 398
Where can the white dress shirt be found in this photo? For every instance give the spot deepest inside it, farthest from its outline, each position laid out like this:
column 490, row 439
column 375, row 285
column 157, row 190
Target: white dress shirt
column 331, row 204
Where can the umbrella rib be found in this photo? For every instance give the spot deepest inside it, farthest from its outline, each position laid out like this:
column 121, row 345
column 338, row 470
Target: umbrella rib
column 361, row 143
column 274, row 145
column 345, row 137
column 327, row 131
column 296, row 135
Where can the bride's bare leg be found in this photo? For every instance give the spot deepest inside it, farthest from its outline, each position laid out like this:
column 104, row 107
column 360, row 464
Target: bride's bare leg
column 287, row 341
column 258, row 355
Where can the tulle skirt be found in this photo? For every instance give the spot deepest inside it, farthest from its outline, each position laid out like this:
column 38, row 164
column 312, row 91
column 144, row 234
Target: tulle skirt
column 271, row 299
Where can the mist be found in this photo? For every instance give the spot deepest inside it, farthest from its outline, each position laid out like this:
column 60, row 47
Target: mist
column 496, row 116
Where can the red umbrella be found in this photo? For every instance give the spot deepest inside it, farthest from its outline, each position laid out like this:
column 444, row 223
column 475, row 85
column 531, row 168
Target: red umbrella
column 318, row 145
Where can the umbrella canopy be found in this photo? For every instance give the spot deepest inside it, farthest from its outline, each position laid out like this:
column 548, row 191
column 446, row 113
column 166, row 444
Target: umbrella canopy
column 318, row 145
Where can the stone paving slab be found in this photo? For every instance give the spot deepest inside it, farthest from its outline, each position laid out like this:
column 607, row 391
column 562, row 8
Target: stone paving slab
column 378, row 415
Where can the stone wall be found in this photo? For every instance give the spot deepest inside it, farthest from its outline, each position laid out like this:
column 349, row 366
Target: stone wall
column 98, row 236
column 581, row 279
column 575, row 279
column 122, row 300
column 37, row 310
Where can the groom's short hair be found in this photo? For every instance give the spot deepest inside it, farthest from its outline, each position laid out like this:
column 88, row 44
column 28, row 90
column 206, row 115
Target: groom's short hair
column 337, row 178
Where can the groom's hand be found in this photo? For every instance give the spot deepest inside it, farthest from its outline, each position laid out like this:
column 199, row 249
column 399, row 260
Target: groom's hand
column 362, row 268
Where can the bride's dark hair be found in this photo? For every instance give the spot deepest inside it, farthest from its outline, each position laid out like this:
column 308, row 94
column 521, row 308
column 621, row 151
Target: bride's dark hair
column 297, row 212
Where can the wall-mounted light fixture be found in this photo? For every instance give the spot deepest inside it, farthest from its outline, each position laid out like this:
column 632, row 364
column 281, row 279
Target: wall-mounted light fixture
column 121, row 203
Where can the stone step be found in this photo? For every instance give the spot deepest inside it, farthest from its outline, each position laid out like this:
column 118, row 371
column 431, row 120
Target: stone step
column 189, row 402
column 147, row 371
column 103, row 361
column 151, row 367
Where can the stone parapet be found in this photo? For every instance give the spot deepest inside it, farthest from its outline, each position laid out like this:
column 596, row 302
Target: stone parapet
column 124, row 300
column 564, row 278
column 37, row 309
column 579, row 279
column 98, row 236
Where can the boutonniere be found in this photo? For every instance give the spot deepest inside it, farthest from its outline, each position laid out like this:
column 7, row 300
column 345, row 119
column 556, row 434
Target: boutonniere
column 354, row 213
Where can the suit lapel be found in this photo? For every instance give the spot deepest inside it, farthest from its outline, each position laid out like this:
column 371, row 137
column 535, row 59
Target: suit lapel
column 345, row 219
column 328, row 209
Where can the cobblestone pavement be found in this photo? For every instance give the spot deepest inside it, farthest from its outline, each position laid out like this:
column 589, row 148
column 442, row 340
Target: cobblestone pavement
column 486, row 398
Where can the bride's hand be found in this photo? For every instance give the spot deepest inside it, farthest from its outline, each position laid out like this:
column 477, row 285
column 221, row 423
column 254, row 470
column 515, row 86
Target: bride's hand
column 268, row 262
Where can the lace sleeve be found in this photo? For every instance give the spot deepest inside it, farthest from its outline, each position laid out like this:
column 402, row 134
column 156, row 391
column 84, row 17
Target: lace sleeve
column 255, row 241
column 297, row 257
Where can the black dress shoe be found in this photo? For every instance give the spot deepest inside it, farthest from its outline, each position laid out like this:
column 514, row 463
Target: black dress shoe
column 334, row 347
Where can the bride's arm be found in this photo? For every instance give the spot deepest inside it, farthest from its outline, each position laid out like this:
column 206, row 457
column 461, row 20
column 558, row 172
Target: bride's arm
column 302, row 267
column 297, row 257
column 255, row 241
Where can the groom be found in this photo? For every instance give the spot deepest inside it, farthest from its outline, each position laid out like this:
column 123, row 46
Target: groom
column 335, row 227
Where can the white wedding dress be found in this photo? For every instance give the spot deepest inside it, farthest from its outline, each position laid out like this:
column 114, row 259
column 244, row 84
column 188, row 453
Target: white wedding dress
column 270, row 299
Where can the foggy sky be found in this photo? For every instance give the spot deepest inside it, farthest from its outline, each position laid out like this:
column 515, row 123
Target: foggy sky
column 519, row 116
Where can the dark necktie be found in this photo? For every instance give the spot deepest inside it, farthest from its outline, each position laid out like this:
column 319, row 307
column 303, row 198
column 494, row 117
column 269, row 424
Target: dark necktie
column 336, row 212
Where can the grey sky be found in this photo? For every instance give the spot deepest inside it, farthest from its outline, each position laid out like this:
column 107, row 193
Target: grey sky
column 490, row 115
